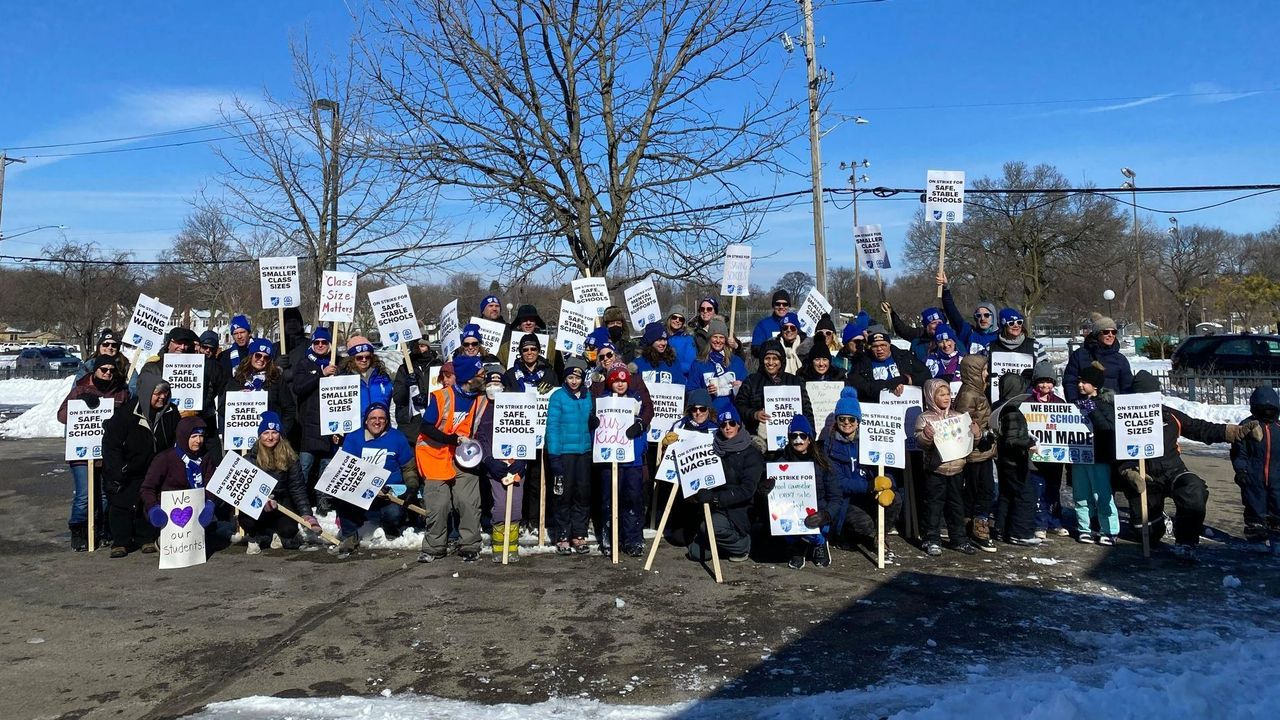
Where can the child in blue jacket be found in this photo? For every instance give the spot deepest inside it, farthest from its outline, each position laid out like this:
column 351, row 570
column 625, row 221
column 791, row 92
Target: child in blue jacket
column 568, row 448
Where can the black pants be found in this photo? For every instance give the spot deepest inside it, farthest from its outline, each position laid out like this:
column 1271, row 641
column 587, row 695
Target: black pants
column 570, row 510
column 1016, row 507
column 979, row 488
column 944, row 495
column 1190, row 495
column 532, row 486
column 129, row 525
column 269, row 522
column 860, row 515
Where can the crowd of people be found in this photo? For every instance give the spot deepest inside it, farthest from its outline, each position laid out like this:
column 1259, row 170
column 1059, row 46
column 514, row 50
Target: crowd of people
column 440, row 457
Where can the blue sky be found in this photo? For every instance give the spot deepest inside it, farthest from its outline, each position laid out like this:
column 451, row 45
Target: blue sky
column 1183, row 92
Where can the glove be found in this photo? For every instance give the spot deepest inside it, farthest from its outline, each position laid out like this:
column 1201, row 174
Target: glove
column 706, row 497
column 555, row 464
column 1138, row 480
column 93, row 401
column 987, row 440
column 409, row 497
column 206, row 514
column 544, row 387
column 157, row 517
column 882, row 483
column 1242, row 479
column 593, row 421
column 451, row 439
column 885, row 498
column 1236, row 433
column 1253, row 429
column 635, row 431
column 312, row 522
column 670, row 438
column 817, row 520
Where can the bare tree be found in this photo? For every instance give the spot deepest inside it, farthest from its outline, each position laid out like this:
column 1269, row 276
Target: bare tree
column 797, row 284
column 77, row 290
column 1190, row 259
column 595, row 131
column 219, row 271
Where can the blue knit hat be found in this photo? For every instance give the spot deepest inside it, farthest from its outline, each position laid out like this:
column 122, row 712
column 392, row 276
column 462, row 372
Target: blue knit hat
column 465, row 367
column 261, row 345
column 699, row 397
column 489, row 300
column 597, row 337
column 848, row 403
column 710, row 301
column 800, row 423
column 725, row 411
column 471, row 330
column 790, row 319
column 944, row 332
column 654, row 332
column 321, row 333
column 931, row 314
column 855, row 327
column 377, row 406
column 240, row 322
column 1008, row 315
column 270, row 420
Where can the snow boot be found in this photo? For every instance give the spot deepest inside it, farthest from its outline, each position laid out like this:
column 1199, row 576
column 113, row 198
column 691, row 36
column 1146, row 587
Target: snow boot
column 1255, row 538
column 1185, row 554
column 253, row 548
column 80, row 538
column 932, row 548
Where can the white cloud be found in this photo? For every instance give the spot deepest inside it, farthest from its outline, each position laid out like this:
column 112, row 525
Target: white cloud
column 1130, row 104
column 1207, row 93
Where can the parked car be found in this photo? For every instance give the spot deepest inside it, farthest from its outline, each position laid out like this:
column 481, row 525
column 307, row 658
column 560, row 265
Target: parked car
column 50, row 358
column 1229, row 353
column 9, row 360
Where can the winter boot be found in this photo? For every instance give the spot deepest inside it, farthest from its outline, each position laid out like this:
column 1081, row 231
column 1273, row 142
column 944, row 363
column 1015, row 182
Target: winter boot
column 982, row 534
column 80, row 538
column 797, row 561
column 1255, row 538
column 1186, row 554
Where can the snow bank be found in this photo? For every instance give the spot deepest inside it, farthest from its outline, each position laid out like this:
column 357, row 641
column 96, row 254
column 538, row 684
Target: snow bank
column 41, row 420
column 1205, row 411
column 24, row 391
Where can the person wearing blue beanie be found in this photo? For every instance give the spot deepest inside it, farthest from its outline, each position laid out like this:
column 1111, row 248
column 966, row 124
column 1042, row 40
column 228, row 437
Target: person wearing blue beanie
column 802, row 446
column 730, row 503
column 848, row 404
column 944, row 361
column 397, row 458
column 491, row 309
column 274, row 455
column 851, row 339
column 921, row 338
column 853, row 519
column 269, row 421
column 241, row 334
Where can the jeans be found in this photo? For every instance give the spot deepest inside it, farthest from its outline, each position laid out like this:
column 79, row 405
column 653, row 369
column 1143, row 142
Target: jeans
column 80, row 498
column 1048, row 480
column 1091, row 490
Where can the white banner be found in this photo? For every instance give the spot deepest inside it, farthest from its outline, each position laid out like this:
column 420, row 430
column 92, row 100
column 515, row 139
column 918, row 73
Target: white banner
column 337, row 296
column 242, row 484
column 1139, row 426
column 148, row 324
column 944, row 196
column 84, row 428
column 592, row 294
column 870, row 241
column 185, row 374
column 781, row 403
column 573, row 327
column 668, row 408
column 823, row 395
column 794, row 498
column 515, row 428
column 450, row 331
column 393, row 312
column 610, row 442
column 1006, row 362
column 339, row 404
column 513, row 346
column 181, row 539
column 737, row 271
column 1061, row 432
column 642, row 304
column 697, row 464
column 491, row 332
column 278, row 277
column 811, row 311
column 723, row 383
column 241, row 413
column 882, row 435
column 953, row 437
column 351, row 479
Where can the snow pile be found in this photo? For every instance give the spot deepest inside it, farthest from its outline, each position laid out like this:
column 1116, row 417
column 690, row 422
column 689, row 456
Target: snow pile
column 41, row 420
column 1205, row 411
column 25, row 391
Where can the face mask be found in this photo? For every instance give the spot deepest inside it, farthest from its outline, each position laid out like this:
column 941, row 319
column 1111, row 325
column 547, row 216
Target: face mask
column 492, row 390
column 615, row 333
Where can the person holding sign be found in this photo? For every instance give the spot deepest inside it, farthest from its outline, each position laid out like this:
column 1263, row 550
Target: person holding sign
column 853, row 518
column 103, row 385
column 1016, row 507
column 717, row 369
column 380, row 446
column 884, row 367
column 730, row 503
column 273, row 453
column 317, row 446
column 1014, row 337
column 1047, row 476
column 568, row 448
column 1091, row 482
column 944, row 482
column 801, row 448
column 526, row 322
column 241, row 334
column 410, row 388
column 183, row 341
column 375, row 381
column 750, row 399
column 505, row 477
column 923, row 339
column 700, row 327
column 186, row 466
column 143, row 427
column 631, row 474
column 979, row 475
column 944, row 361
column 260, row 372
column 853, row 337
column 976, row 337
column 657, row 362
column 531, row 371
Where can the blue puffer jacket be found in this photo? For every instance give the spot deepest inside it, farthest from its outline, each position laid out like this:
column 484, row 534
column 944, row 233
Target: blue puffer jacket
column 1119, row 376
column 697, row 374
column 1258, row 463
column 567, row 416
column 686, row 351
column 377, row 389
column 972, row 339
column 663, row 372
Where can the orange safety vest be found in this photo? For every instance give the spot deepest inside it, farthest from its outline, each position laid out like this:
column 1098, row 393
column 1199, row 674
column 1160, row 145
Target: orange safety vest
column 435, row 460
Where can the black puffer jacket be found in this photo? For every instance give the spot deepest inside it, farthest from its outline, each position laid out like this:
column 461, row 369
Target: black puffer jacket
column 743, row 471
column 862, row 377
column 750, row 397
column 306, row 390
column 279, row 400
column 290, row 485
column 408, row 405
column 132, row 437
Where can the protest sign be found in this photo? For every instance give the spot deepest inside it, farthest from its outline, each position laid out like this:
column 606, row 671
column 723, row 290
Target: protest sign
column 882, row 435
column 573, row 327
column 540, row 420
column 84, row 429
column 513, row 346
column 352, row 479
column 185, row 374
column 811, row 311
column 181, row 539
column 515, row 428
column 610, row 442
column 720, row 385
column 944, row 196
column 642, row 304
column 339, row 404
column 278, row 277
column 450, row 332
column 793, row 498
column 148, row 324
column 823, row 395
column 241, row 484
column 953, row 437
column 1139, row 426
column 781, row 403
column 667, row 471
column 668, row 408
column 697, row 464
column 241, row 412
column 1007, row 362
column 737, row 271
column 491, row 332
column 337, row 296
column 1062, row 434
column 393, row 313
column 870, row 240
column 592, row 295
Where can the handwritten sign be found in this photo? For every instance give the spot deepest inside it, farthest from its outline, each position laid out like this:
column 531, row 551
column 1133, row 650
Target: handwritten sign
column 185, row 374
column 339, row 404
column 794, row 497
column 241, row 484
column 736, row 280
column 147, row 325
column 823, row 396
column 337, row 296
column 393, row 312
column 953, row 437
column 181, row 539
column 278, row 277
column 84, row 429
column 241, row 412
column 1139, row 426
column 610, row 442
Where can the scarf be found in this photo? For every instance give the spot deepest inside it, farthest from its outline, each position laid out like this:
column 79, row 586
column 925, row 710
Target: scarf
column 321, row 361
column 527, row 377
column 792, row 358
column 1011, row 343
column 717, row 357
column 738, row 443
column 1087, row 405
column 195, row 478
column 256, row 381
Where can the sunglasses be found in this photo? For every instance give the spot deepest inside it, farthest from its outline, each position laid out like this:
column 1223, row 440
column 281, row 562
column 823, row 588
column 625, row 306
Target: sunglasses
column 729, row 423
column 109, row 344
column 470, row 344
column 798, row 436
column 782, row 304
column 606, row 355
column 261, row 356
column 698, row 408
column 1106, row 332
column 364, row 356
column 107, row 369
column 706, row 309
column 319, row 342
column 1014, row 323
column 529, row 348
column 846, row 419
column 677, row 318
column 982, row 315
column 791, row 328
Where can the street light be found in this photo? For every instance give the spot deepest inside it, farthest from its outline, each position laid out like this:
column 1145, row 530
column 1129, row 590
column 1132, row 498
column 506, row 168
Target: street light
column 1132, row 186
column 1109, row 295
column 28, row 232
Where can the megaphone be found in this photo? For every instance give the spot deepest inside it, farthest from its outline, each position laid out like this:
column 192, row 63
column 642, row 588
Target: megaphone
column 468, row 453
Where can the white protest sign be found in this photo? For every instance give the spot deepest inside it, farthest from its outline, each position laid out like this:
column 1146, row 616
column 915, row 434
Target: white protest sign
column 515, row 428
column 1062, row 434
column 540, row 421
column 668, row 407
column 912, row 401
column 793, row 498
column 737, row 271
column 667, row 471
column 574, row 326
column 339, row 404
column 352, row 479
column 491, row 332
column 1007, row 362
column 337, row 296
column 279, row 279
column 146, row 327
column 882, row 435
column 393, row 312
column 84, row 428
column 513, row 346
column 450, row 331
column 781, row 403
column 610, row 442
column 185, row 374
column 181, row 539
column 811, row 311
column 697, row 464
column 241, row 413
column 242, row 485
column 944, row 196
column 953, row 437
column 870, row 242
column 642, row 304
column 723, row 382
column 592, row 295
column 823, row 396
column 1139, row 426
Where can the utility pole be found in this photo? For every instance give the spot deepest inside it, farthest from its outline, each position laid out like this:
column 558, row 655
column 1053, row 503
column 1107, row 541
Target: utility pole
column 815, row 147
column 332, row 178
column 4, row 162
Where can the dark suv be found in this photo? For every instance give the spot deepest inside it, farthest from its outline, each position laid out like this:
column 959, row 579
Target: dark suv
column 1229, row 353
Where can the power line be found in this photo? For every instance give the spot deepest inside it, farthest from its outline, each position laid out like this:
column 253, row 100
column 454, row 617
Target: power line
column 148, row 136
column 1017, row 103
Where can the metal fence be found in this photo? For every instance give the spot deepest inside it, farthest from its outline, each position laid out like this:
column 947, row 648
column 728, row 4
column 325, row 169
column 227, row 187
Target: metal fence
column 1215, row 388
column 40, row 373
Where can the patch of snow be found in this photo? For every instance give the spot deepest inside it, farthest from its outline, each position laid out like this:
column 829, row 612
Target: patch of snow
column 40, row 421
column 25, row 391
column 1045, row 561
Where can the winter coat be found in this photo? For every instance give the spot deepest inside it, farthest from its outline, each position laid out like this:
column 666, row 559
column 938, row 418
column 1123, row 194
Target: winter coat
column 375, row 388
column 1100, row 414
column 830, row 495
column 168, row 471
column 290, row 482
column 869, row 376
column 972, row 399
column 972, row 339
column 280, row 399
column 521, row 378
column 131, row 440
column 567, row 417
column 306, row 389
column 1026, row 345
column 921, row 340
column 214, row 383
column 1115, row 366
column 743, row 471
column 85, row 390
column 1176, row 424
column 1257, row 462
column 662, row 371
column 842, row 454
column 1014, row 438
column 750, row 398
column 702, row 335
column 944, row 367
column 399, row 459
column 697, row 378
column 410, row 392
column 768, row 327
column 685, row 348
column 932, row 413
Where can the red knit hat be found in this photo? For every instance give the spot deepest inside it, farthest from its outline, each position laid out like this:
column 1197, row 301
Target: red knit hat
column 619, row 373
